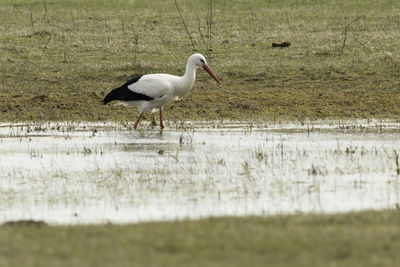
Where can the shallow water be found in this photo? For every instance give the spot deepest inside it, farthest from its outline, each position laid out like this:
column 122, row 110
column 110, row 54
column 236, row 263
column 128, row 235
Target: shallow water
column 67, row 173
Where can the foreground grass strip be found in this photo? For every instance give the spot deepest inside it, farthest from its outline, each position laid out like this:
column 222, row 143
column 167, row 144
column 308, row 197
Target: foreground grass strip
column 58, row 59
column 354, row 239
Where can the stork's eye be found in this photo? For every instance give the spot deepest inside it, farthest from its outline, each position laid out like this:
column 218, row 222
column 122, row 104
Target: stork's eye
column 202, row 61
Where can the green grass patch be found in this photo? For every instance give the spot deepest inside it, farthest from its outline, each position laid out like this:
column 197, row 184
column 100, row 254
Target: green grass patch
column 353, row 239
column 58, row 59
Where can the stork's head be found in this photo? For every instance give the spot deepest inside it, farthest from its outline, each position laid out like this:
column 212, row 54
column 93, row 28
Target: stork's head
column 200, row 61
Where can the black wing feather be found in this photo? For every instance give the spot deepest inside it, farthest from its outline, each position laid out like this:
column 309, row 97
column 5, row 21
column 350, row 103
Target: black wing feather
column 123, row 93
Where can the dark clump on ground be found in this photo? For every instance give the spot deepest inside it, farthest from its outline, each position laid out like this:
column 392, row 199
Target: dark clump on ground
column 284, row 44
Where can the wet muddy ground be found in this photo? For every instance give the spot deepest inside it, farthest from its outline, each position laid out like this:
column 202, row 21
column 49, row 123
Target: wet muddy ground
column 68, row 173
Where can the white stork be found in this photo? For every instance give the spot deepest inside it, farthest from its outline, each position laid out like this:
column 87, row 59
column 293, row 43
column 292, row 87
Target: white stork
column 153, row 91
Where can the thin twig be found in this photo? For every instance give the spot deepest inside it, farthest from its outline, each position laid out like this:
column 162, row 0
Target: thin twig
column 32, row 24
column 123, row 26
column 346, row 29
column 136, row 38
column 47, row 42
column 202, row 36
column 287, row 19
column 210, row 23
column 73, row 21
column 106, row 27
column 65, row 49
column 210, row 17
column 45, row 13
column 184, row 24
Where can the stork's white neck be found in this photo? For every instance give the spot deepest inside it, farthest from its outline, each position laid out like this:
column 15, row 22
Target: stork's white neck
column 187, row 80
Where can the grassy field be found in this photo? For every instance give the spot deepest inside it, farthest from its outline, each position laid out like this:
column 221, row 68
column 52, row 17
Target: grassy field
column 356, row 239
column 58, row 59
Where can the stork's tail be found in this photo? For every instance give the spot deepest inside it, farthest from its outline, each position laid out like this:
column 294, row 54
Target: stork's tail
column 111, row 96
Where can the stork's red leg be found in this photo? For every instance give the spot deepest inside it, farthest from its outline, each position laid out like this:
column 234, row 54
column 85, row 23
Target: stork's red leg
column 161, row 120
column 137, row 121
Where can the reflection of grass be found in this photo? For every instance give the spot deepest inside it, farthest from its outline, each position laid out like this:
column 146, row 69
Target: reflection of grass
column 70, row 54
column 396, row 158
column 354, row 239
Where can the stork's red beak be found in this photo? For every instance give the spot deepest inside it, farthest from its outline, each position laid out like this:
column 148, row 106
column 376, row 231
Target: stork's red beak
column 207, row 68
